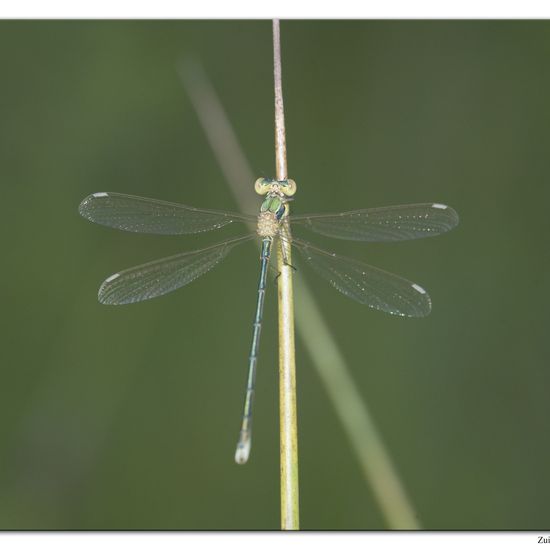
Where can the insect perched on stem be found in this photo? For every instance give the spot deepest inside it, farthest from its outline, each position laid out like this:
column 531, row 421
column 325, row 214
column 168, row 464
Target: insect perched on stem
column 363, row 283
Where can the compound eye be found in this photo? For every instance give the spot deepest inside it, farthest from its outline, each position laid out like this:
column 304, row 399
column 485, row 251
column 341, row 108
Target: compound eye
column 261, row 186
column 290, row 188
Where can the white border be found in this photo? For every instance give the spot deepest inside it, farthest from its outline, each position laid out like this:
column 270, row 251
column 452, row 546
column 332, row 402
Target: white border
column 296, row 9
column 270, row 541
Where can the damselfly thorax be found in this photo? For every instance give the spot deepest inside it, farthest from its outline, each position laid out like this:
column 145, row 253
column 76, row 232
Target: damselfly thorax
column 274, row 208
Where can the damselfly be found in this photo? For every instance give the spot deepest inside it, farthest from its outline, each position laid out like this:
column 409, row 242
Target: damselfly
column 363, row 283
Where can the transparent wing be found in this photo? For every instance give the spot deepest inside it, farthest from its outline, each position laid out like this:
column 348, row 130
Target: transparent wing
column 162, row 276
column 143, row 215
column 389, row 223
column 366, row 284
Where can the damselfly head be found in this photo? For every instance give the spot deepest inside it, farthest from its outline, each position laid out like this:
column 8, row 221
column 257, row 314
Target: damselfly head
column 286, row 188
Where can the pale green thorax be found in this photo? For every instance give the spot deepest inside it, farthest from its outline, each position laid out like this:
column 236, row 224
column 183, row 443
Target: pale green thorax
column 274, row 208
column 276, row 192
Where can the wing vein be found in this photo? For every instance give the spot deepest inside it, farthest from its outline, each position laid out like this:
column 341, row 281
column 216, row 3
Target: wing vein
column 144, row 215
column 159, row 277
column 390, row 223
column 366, row 284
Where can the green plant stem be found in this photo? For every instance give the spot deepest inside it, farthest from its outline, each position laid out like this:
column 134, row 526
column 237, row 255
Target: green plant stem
column 288, row 424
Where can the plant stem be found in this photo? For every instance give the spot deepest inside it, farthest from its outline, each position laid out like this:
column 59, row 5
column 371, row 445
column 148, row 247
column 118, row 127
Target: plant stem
column 288, row 425
column 280, row 136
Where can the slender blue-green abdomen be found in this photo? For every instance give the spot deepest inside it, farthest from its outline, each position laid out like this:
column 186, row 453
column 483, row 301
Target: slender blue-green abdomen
column 243, row 446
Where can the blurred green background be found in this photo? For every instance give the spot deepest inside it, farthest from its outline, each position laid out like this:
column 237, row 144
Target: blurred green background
column 127, row 418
